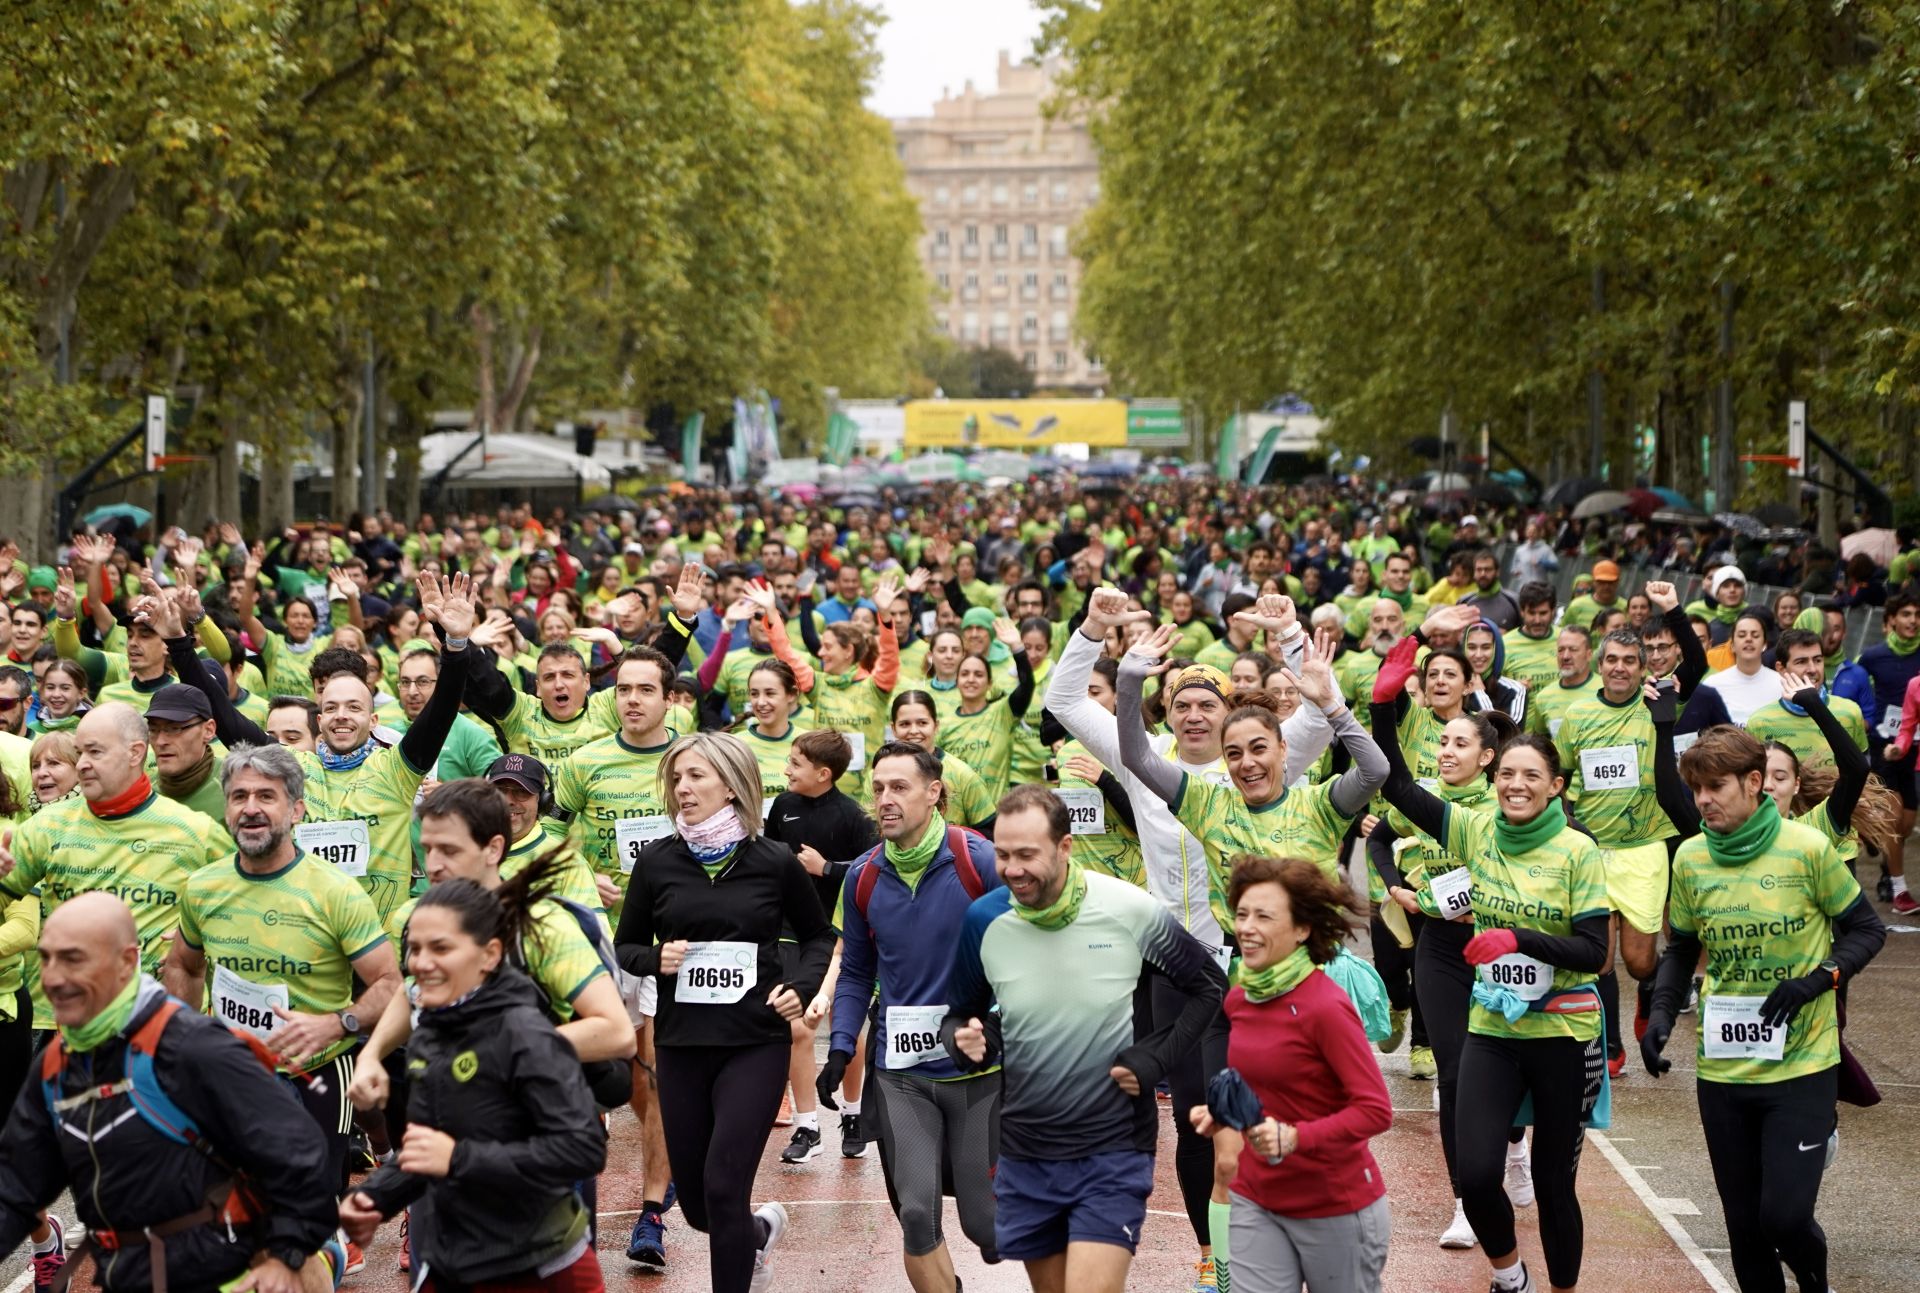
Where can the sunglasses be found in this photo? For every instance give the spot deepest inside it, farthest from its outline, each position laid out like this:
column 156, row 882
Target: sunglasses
column 8, row 702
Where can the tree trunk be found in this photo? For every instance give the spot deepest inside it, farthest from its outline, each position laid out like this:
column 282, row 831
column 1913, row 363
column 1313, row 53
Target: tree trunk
column 345, row 418
column 276, row 482
column 226, row 464
column 27, row 511
column 382, row 409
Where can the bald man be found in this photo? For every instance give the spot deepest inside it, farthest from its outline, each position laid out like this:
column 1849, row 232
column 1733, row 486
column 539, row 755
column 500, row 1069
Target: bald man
column 120, row 837
column 130, row 1181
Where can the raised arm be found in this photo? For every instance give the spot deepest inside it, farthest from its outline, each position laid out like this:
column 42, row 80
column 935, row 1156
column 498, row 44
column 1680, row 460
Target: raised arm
column 1317, row 689
column 1676, row 801
column 1147, row 659
column 886, row 669
column 1693, row 656
column 1427, row 811
column 1022, row 694
column 420, row 745
column 1849, row 760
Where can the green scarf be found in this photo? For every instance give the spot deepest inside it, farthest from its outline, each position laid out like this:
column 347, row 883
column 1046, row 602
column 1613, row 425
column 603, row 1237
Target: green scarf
column 106, row 1025
column 1059, row 913
column 911, row 863
column 1284, row 975
column 1404, row 600
column 1749, row 839
column 1902, row 646
column 1523, row 837
column 1814, row 621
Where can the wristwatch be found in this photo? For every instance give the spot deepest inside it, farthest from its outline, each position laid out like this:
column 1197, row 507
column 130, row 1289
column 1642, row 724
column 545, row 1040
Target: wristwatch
column 289, row 1256
column 349, row 1021
column 1831, row 966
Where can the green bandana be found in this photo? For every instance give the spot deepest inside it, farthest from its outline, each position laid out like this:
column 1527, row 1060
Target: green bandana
column 1284, row 975
column 106, row 1025
column 1060, row 913
column 1902, row 646
column 911, row 863
column 1749, row 839
column 1523, row 837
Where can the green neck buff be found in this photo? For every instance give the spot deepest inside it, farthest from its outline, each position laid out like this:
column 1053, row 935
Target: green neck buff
column 1471, row 793
column 1059, row 913
column 1283, row 976
column 1403, row 600
column 911, row 863
column 1523, row 837
column 1724, row 614
column 1749, row 839
column 719, row 864
column 1902, row 646
column 106, row 1025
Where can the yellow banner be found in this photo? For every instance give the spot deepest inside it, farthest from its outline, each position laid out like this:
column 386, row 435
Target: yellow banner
column 1014, row 424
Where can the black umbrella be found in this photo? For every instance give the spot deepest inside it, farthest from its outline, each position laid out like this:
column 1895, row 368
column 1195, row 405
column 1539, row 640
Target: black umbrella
column 1747, row 527
column 1779, row 514
column 1569, row 492
column 610, row 503
column 1492, row 491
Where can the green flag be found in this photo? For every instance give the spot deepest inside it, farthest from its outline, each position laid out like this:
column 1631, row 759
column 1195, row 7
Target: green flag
column 690, row 446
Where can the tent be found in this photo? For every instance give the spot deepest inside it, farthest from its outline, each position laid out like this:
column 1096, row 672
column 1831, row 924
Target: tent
column 508, row 460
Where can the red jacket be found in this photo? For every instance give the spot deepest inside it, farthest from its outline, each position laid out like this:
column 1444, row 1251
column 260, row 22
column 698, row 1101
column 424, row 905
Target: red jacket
column 1307, row 1058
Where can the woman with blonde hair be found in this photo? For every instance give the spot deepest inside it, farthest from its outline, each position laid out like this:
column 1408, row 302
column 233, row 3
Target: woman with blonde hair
column 705, row 911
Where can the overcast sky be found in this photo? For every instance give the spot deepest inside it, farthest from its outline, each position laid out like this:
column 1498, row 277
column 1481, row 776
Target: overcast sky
column 930, row 44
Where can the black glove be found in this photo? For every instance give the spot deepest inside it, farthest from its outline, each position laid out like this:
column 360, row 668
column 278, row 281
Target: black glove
column 830, row 1074
column 1784, row 1002
column 1653, row 1041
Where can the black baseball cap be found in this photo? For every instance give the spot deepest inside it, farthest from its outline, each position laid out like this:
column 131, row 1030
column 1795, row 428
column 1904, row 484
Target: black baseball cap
column 523, row 770
column 179, row 702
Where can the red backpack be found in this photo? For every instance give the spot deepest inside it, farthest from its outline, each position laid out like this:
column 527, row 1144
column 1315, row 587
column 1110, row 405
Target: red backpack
column 962, row 864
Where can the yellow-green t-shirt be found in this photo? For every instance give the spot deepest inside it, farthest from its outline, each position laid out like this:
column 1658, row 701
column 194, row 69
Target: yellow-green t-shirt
column 1547, row 708
column 1534, row 661
column 600, row 784
column 573, row 880
column 557, row 956
column 1116, row 852
column 1606, row 752
column 1763, row 923
column 301, row 928
column 531, row 730
column 1299, row 824
column 381, row 793
column 1799, row 733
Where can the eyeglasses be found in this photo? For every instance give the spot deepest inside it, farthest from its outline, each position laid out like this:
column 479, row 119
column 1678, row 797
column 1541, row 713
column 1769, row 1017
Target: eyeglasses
column 8, row 702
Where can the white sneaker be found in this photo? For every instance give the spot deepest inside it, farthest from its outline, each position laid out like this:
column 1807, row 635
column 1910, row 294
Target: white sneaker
column 1460, row 1233
column 775, row 1215
column 1833, row 1149
column 1519, row 1176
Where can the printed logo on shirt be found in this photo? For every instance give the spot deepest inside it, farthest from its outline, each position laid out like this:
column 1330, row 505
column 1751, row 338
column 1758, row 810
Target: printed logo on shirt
column 465, row 1065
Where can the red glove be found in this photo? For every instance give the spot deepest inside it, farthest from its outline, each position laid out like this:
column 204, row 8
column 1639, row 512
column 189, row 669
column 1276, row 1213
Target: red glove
column 1395, row 669
column 1490, row 946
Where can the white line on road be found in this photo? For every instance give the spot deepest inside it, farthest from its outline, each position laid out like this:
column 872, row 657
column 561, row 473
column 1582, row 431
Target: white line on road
column 1657, row 1208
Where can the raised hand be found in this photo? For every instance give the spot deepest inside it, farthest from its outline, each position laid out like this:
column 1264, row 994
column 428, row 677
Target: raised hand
column 230, row 534
column 1795, row 683
column 1315, row 678
column 741, row 611
column 65, row 604
column 1005, row 631
column 496, row 633
column 886, row 592
column 1154, row 648
column 256, row 558
column 689, row 596
column 1450, row 619
column 155, row 609
column 186, row 553
column 187, row 598
column 340, row 584
column 1085, row 767
column 917, row 581
column 1664, row 596
column 761, row 594
column 427, row 590
column 456, row 613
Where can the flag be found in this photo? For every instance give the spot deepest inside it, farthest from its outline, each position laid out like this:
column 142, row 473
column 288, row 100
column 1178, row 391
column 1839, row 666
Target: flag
column 690, row 446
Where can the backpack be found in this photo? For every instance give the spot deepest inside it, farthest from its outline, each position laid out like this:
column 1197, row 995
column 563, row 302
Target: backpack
column 962, row 864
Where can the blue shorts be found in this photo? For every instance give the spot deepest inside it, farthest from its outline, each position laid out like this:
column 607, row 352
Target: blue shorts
column 1042, row 1205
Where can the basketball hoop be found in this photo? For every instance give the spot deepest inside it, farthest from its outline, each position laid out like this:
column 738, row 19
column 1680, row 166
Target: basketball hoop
column 1786, row 460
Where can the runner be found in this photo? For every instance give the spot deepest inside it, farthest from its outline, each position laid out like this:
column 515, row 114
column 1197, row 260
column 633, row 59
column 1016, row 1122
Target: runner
column 901, row 908
column 1573, row 654
column 723, row 1029
column 1309, row 1202
column 62, row 698
column 1797, row 654
column 142, row 1191
column 1892, row 665
column 1783, row 924
column 1747, row 686
column 917, row 721
column 521, row 780
column 275, row 940
column 848, row 697
column 1104, row 828
column 1078, row 1120
column 284, row 656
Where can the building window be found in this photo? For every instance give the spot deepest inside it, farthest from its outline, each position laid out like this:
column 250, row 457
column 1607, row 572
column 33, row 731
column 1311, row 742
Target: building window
column 1061, row 193
column 970, row 235
column 946, row 324
column 941, row 195
column 1029, row 360
column 1030, row 197
column 1000, row 193
column 1029, row 327
column 940, row 237
column 1059, row 240
column 969, row 195
column 999, row 278
column 1057, row 326
column 1058, row 292
column 1060, row 361
column 1093, row 191
column 1000, row 234
column 1029, row 233
column 1000, row 334
column 944, row 279
column 970, row 326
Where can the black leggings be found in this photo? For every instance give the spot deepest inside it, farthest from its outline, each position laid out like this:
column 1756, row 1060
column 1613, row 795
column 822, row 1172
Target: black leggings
column 718, row 1104
column 1768, row 1145
column 1396, row 965
column 1187, row 1080
column 1443, row 987
column 16, row 1047
column 1496, row 1073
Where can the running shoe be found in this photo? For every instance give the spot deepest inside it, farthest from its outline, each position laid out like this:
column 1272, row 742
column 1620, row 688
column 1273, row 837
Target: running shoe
column 1420, row 1064
column 853, row 1136
column 648, row 1243
column 776, row 1218
column 47, row 1265
column 1203, row 1277
column 804, row 1145
column 1396, row 1031
column 356, row 1260
column 1458, row 1234
column 1524, row 1286
column 1904, row 904
column 1519, row 1176
column 1616, row 1065
column 1883, row 889
column 406, row 1239
column 1642, row 1009
column 334, row 1254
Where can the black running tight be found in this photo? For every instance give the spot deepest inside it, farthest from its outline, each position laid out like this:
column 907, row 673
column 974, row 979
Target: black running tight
column 718, row 1104
column 1443, row 983
column 1768, row 1145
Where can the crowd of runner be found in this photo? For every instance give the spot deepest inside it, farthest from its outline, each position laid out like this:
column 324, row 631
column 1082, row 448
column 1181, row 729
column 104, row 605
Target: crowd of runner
column 353, row 875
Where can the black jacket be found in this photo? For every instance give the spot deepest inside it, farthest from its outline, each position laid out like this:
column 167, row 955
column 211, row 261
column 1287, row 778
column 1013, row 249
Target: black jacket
column 493, row 1074
column 834, row 824
column 131, row 1176
column 761, row 890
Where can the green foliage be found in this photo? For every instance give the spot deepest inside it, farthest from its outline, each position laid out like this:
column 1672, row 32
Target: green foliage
column 970, row 372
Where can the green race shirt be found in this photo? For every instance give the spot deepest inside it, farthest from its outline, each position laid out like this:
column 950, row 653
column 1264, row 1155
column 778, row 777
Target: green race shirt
column 301, row 928
column 1548, row 889
column 531, row 730
column 1355, row 672
column 1534, row 661
column 1547, row 708
column 1774, row 722
column 1299, row 824
column 573, row 879
column 1606, row 751
column 968, row 803
column 286, row 663
column 143, row 859
column 985, row 741
column 1115, row 852
column 1763, row 923
column 1420, row 856
column 381, row 793
column 600, row 784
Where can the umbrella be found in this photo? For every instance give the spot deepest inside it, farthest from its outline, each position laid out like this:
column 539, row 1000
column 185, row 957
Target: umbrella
column 1601, row 503
column 1440, row 482
column 610, row 503
column 1747, row 527
column 1644, row 502
column 801, row 491
column 1107, row 468
column 1233, row 1103
column 1490, row 491
column 1881, row 545
column 135, row 516
column 1675, row 499
column 1569, row 492
column 1678, row 516
column 1784, row 515
column 854, row 499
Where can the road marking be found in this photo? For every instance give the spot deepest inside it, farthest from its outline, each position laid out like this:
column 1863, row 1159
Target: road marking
column 1659, row 1209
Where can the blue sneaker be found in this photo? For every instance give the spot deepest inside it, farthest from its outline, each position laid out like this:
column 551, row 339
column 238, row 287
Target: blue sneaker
column 648, row 1244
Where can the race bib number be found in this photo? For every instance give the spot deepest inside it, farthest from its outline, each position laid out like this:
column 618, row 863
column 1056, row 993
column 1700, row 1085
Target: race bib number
column 716, row 974
column 1683, row 741
column 1223, row 957
column 1612, row 767
column 1086, row 809
column 1429, row 784
column 630, row 835
column 857, row 742
column 913, row 1035
column 246, row 1005
column 346, row 845
column 1520, row 974
column 1889, row 724
column 1452, row 892
column 1731, row 1029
